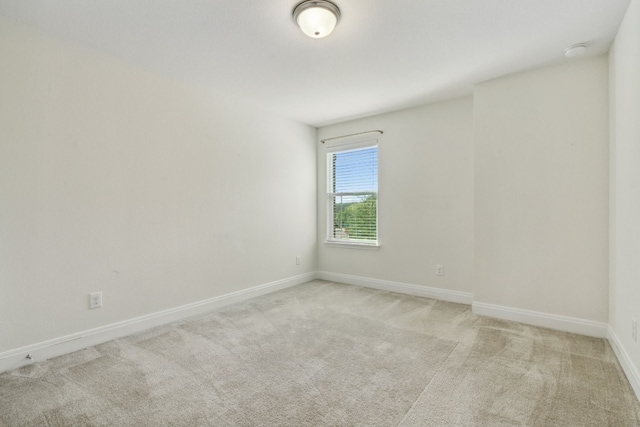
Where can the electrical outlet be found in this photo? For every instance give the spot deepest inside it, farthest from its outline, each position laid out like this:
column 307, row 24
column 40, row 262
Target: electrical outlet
column 298, row 260
column 95, row 300
column 439, row 270
column 634, row 329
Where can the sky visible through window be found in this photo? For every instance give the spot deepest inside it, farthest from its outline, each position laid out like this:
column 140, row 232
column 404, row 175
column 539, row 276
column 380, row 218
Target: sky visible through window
column 356, row 171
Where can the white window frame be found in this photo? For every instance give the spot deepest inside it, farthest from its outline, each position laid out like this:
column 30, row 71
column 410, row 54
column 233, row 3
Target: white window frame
column 330, row 240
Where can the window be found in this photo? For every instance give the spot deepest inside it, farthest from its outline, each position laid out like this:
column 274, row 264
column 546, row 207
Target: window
column 352, row 193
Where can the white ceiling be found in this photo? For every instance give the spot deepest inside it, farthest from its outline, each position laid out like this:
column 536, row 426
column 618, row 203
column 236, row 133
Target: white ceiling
column 383, row 55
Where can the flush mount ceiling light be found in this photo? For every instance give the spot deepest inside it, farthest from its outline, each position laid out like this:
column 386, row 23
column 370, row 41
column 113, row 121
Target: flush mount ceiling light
column 316, row 18
column 575, row 50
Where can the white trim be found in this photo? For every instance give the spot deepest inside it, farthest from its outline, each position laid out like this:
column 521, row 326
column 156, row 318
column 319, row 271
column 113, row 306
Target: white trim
column 402, row 288
column 16, row 358
column 353, row 245
column 545, row 320
column 625, row 361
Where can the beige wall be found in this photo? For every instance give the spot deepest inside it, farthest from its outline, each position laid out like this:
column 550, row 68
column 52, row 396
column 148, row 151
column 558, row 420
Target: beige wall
column 541, row 190
column 158, row 194
column 624, row 297
column 113, row 179
column 426, row 198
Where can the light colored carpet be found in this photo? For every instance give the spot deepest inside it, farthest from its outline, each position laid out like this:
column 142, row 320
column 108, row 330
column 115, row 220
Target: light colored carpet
column 329, row 354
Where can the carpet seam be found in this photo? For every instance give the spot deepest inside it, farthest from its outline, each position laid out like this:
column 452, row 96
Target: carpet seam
column 428, row 384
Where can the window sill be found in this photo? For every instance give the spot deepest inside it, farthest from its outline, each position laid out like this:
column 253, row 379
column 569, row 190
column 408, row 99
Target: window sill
column 353, row 245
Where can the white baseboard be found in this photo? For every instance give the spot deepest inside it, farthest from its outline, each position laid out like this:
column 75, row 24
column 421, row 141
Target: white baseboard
column 545, row 320
column 402, row 288
column 625, row 361
column 16, row 358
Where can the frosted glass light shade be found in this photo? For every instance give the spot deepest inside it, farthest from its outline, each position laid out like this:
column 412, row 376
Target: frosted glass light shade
column 316, row 19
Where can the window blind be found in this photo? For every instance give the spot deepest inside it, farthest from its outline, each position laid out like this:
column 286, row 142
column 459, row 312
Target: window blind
column 352, row 193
